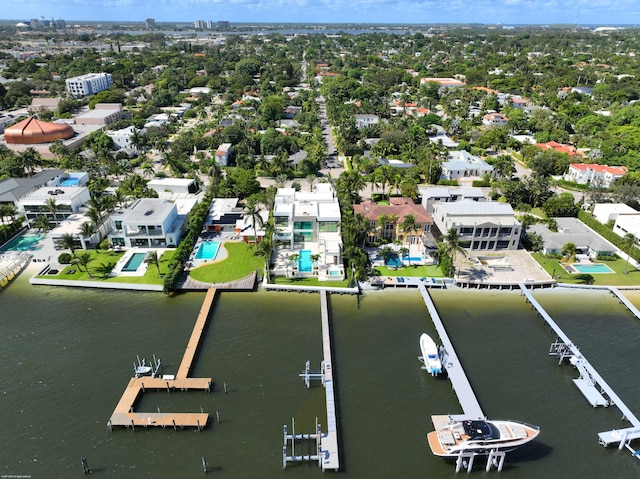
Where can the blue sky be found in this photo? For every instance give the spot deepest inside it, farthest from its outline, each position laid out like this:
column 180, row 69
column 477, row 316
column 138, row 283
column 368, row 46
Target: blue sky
column 598, row 12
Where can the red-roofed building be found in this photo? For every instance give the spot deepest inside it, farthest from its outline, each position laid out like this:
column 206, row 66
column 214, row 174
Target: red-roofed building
column 494, row 119
column 560, row 148
column 392, row 216
column 600, row 175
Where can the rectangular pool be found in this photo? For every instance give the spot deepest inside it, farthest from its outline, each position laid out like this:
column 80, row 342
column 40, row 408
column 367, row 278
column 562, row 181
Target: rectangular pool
column 70, row 182
column 207, row 250
column 592, row 268
column 26, row 242
column 305, row 265
column 134, row 262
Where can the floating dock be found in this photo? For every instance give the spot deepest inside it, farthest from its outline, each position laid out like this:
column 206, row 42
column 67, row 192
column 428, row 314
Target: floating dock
column 124, row 414
column 451, row 363
column 590, row 383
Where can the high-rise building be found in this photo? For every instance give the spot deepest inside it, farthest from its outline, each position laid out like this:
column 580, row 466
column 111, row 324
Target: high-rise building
column 150, row 23
column 88, row 84
column 223, row 25
column 60, row 23
column 209, row 24
column 200, row 24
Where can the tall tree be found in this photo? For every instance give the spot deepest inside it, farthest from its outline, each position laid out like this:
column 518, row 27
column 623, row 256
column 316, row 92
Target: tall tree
column 152, row 258
column 408, row 225
column 252, row 214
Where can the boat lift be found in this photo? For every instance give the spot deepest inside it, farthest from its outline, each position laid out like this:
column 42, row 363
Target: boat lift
column 290, row 441
column 144, row 369
column 309, row 375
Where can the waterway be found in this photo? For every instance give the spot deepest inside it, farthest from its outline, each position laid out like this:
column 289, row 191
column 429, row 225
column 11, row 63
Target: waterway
column 67, row 356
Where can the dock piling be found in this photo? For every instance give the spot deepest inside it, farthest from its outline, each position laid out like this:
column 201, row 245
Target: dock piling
column 85, row 466
column 204, row 465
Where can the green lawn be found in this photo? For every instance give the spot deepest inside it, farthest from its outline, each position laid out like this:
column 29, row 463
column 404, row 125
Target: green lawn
column 552, row 266
column 310, row 282
column 422, row 271
column 240, row 263
column 99, row 258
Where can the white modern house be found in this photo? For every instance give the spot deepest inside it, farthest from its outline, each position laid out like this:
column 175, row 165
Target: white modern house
column 487, row 226
column 122, row 138
column 462, row 164
column 149, row 222
column 88, row 84
column 307, row 224
column 171, row 186
column 56, row 203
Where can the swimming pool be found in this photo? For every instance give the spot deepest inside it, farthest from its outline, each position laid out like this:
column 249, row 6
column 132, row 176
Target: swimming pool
column 26, row 242
column 134, row 262
column 305, row 265
column 70, row 182
column 207, row 250
column 394, row 261
column 592, row 268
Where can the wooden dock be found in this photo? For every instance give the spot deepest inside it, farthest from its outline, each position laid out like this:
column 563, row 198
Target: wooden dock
column 124, row 414
column 196, row 335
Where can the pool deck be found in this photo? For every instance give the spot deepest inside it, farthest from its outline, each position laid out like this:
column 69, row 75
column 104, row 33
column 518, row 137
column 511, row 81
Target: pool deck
column 124, row 415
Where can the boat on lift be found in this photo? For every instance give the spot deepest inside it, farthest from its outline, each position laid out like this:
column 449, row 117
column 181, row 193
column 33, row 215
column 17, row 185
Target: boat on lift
column 453, row 437
column 430, row 355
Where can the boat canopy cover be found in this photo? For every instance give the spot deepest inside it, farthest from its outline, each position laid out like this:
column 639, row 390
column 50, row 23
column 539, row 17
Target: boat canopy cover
column 479, row 430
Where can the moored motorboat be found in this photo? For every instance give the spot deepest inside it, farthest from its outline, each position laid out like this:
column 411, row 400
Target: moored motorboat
column 430, row 355
column 453, row 437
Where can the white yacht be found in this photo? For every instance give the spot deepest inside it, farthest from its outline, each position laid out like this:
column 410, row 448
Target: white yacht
column 452, row 437
column 430, row 355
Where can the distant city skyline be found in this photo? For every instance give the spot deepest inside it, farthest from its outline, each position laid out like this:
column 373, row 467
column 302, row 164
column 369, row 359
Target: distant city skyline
column 595, row 12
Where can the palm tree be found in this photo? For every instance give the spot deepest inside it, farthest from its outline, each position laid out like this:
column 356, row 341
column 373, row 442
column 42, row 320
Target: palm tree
column 315, row 258
column 4, row 212
column 383, row 176
column 293, row 259
column 253, row 214
column 387, row 252
column 452, row 246
column 585, row 278
column 83, row 258
column 42, row 222
column 52, row 207
column 30, row 159
column 404, row 251
column 629, row 243
column 152, row 258
column 68, row 241
column 408, row 225
column 87, row 229
column 569, row 252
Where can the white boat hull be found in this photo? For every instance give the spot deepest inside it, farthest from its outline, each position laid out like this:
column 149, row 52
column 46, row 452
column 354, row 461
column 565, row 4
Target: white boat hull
column 430, row 355
column 452, row 438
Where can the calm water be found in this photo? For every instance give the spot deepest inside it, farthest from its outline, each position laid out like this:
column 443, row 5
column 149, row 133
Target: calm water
column 67, row 355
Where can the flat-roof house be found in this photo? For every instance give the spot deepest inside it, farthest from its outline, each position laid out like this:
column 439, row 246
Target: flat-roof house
column 102, row 114
column 173, row 185
column 484, row 226
column 462, row 164
column 572, row 230
column 122, row 138
column 67, row 200
column 447, row 194
column 600, row 175
column 149, row 222
column 605, row 212
column 309, row 223
column 223, row 215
